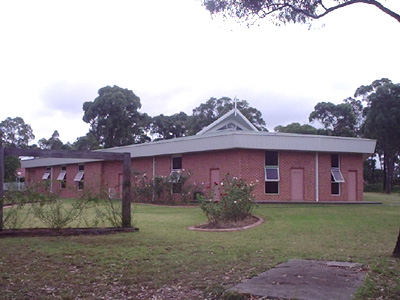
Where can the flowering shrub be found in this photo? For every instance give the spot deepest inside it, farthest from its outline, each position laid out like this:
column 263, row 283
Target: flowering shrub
column 164, row 189
column 235, row 204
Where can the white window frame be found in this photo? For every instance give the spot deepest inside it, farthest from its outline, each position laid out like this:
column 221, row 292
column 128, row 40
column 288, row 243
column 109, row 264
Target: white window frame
column 334, row 173
column 46, row 175
column 79, row 176
column 61, row 176
column 271, row 168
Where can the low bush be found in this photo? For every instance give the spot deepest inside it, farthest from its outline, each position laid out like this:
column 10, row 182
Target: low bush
column 236, row 200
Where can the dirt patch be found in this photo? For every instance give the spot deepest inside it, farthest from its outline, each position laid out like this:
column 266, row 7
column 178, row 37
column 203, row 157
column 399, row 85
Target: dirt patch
column 35, row 232
column 250, row 222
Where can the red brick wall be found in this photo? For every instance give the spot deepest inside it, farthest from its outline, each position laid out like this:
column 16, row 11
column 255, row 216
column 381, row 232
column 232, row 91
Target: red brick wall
column 348, row 162
column 247, row 164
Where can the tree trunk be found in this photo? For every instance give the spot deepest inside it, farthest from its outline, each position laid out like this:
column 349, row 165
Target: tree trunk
column 396, row 251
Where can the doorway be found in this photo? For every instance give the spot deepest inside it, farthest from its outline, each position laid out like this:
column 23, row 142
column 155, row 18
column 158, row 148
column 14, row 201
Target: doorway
column 297, row 184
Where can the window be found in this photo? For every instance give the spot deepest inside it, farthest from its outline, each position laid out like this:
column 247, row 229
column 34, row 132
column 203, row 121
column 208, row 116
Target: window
column 336, row 175
column 47, row 173
column 177, row 163
column 79, row 177
column 176, row 174
column 62, row 177
column 271, row 172
column 230, row 126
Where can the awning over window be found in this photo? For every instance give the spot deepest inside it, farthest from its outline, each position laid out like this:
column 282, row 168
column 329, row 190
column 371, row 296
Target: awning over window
column 272, row 174
column 337, row 175
column 46, row 175
column 61, row 176
column 79, row 176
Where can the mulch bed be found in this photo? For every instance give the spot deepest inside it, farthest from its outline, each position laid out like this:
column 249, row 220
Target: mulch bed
column 250, row 222
column 36, row 232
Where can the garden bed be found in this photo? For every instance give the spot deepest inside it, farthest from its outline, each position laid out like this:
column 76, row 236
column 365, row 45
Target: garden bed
column 32, row 232
column 249, row 222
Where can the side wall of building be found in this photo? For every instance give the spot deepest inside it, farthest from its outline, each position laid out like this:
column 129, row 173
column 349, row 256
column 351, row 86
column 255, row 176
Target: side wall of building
column 206, row 167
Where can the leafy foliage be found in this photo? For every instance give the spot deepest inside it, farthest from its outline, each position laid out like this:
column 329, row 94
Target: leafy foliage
column 237, row 201
column 383, row 123
column 337, row 119
column 14, row 132
column 285, row 11
column 54, row 143
column 114, row 117
column 168, row 127
column 297, row 128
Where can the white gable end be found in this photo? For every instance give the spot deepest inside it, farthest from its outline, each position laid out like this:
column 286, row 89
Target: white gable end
column 233, row 120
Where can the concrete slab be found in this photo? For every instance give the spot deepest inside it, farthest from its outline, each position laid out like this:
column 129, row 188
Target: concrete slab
column 306, row 280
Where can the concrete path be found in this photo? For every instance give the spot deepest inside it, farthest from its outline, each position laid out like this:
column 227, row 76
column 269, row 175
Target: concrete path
column 306, row 280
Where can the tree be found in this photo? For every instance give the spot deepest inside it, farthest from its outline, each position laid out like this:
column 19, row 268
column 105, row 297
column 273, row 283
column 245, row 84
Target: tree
column 214, row 108
column 297, row 128
column 53, row 143
column 114, row 117
column 15, row 132
column 337, row 119
column 383, row 123
column 87, row 142
column 286, row 11
column 168, row 127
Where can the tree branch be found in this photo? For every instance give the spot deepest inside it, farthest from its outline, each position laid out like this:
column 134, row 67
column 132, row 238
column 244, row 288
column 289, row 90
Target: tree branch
column 333, row 8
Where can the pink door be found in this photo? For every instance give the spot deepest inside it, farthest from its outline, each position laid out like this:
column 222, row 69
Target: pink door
column 352, row 186
column 297, row 184
column 214, row 183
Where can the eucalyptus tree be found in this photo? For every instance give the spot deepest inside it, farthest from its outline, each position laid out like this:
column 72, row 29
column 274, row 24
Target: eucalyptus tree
column 114, row 117
column 286, row 11
column 382, row 122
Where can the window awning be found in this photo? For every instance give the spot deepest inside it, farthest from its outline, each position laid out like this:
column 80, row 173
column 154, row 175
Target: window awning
column 61, row 176
column 271, row 173
column 79, row 176
column 46, row 175
column 337, row 175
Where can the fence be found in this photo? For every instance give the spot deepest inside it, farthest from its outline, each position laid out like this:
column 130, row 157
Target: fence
column 14, row 186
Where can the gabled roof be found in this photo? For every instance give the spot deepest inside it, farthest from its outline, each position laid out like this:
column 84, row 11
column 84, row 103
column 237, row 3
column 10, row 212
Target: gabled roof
column 232, row 120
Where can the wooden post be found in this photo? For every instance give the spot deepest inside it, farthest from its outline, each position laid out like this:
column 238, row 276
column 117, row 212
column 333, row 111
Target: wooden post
column 126, row 191
column 396, row 251
column 1, row 184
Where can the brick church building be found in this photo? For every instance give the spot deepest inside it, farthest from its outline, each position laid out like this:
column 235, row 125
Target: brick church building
column 286, row 167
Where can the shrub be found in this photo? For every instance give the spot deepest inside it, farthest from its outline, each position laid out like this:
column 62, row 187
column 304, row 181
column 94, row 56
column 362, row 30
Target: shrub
column 235, row 204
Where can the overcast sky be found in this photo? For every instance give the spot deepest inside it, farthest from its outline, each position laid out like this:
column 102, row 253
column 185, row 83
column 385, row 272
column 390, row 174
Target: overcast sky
column 55, row 55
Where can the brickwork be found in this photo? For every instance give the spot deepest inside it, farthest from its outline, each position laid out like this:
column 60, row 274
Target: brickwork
column 247, row 164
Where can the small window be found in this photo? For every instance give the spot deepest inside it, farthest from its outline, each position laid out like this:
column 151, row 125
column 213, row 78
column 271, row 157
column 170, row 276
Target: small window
column 271, row 158
column 177, row 163
column 47, row 173
column 334, row 160
column 62, row 177
column 336, row 175
column 271, row 174
column 79, row 177
column 335, row 188
column 271, row 187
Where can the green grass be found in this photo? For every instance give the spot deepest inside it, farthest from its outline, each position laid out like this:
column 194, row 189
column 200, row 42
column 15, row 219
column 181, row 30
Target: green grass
column 164, row 259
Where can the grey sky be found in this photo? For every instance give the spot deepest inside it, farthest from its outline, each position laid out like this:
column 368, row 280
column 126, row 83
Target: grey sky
column 55, row 55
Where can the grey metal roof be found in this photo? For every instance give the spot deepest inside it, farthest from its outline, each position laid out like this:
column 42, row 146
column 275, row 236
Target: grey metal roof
column 223, row 140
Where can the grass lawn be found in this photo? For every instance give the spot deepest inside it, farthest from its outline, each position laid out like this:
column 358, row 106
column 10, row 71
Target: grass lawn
column 164, row 260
